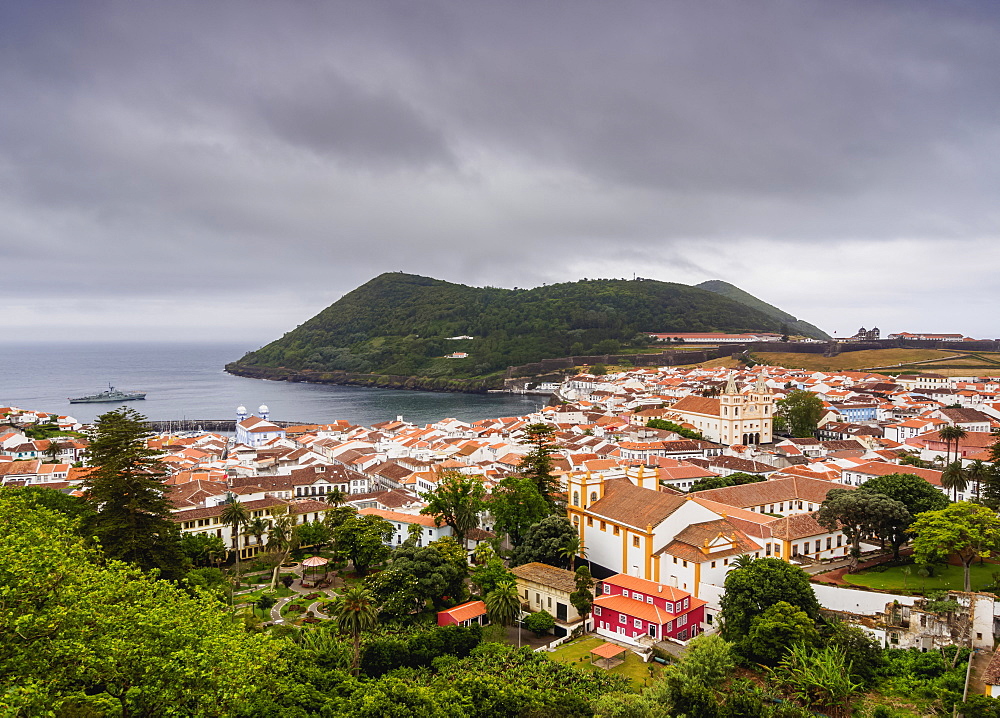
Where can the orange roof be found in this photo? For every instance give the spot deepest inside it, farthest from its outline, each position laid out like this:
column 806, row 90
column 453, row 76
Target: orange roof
column 400, row 517
column 634, row 583
column 608, row 650
column 640, row 609
column 465, row 611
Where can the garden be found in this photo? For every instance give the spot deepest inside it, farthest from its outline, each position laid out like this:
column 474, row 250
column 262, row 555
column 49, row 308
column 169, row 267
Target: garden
column 577, row 654
column 911, row 579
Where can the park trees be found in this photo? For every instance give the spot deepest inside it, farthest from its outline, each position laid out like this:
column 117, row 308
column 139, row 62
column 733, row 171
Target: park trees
column 777, row 628
column 125, row 488
column 434, row 573
column 281, row 540
column 456, row 502
column 753, row 588
column 799, row 413
column 362, row 539
column 516, row 505
column 966, row 530
column 674, row 427
column 862, row 513
column 489, row 570
column 545, row 542
column 737, row 478
column 915, row 493
column 80, row 635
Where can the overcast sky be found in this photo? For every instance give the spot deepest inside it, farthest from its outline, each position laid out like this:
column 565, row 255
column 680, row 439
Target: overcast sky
column 214, row 170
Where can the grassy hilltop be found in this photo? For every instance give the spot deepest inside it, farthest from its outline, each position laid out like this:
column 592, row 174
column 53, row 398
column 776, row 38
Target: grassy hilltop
column 398, row 324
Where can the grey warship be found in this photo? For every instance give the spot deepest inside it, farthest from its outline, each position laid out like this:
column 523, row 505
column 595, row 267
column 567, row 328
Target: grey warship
column 111, row 394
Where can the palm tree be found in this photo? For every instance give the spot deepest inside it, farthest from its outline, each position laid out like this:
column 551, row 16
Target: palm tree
column 949, row 434
column 336, row 496
column 503, row 604
column 741, row 561
column 978, row 471
column 235, row 515
column 954, row 478
column 281, row 540
column 257, row 528
column 354, row 612
column 571, row 549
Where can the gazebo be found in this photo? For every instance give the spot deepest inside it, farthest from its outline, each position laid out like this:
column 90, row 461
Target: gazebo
column 608, row 655
column 312, row 563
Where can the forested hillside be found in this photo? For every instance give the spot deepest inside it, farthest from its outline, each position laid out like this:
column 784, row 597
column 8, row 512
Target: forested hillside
column 400, row 323
column 794, row 326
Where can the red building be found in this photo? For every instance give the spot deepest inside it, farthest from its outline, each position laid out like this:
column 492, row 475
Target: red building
column 464, row 615
column 638, row 611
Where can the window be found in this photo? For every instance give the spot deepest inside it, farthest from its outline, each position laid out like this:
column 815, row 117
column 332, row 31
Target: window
column 840, row 539
column 635, row 541
column 675, row 559
column 637, row 622
column 649, row 599
column 590, row 521
column 725, row 562
column 708, row 618
column 597, row 610
column 604, row 526
column 767, row 549
column 607, row 588
column 829, row 542
column 625, row 592
column 713, row 564
column 685, row 563
column 525, row 594
column 817, row 546
column 548, row 602
column 670, row 608
column 576, row 498
column 687, row 602
column 538, row 598
column 682, row 620
column 621, row 618
column 593, row 496
column 617, row 531
column 795, row 549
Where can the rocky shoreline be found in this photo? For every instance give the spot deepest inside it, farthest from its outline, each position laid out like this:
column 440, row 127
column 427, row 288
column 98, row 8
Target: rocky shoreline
column 375, row 381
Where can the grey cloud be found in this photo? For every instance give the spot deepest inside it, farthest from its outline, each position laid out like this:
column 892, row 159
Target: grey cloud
column 197, row 149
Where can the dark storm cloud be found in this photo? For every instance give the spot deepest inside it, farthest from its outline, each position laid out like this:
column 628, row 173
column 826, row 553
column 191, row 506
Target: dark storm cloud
column 183, row 152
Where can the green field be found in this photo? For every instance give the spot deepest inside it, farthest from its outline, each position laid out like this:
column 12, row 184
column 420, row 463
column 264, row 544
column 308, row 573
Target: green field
column 633, row 667
column 944, row 578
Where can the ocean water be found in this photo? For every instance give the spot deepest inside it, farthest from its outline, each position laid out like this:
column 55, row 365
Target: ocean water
column 186, row 381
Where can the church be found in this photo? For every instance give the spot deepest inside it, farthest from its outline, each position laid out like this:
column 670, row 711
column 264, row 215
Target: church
column 732, row 418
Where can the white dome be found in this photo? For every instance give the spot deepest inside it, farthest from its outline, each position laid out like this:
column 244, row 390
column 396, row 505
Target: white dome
column 241, row 410
column 263, row 409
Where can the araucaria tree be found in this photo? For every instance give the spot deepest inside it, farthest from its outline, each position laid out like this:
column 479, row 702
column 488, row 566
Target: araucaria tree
column 456, row 502
column 862, row 513
column 966, row 530
column 125, row 488
column 536, row 465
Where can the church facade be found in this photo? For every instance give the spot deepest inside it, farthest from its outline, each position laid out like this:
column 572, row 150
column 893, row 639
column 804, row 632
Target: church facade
column 732, row 418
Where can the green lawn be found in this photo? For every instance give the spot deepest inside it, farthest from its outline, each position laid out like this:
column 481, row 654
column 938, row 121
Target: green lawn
column 254, row 595
column 574, row 651
column 944, row 578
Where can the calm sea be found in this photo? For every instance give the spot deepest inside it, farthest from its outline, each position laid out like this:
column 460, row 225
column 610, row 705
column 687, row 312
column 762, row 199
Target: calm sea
column 186, row 381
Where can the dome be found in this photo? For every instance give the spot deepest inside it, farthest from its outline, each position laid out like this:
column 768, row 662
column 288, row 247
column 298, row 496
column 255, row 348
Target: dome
column 241, row 410
column 263, row 409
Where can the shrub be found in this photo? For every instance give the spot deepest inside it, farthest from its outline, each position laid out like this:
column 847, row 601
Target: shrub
column 540, row 623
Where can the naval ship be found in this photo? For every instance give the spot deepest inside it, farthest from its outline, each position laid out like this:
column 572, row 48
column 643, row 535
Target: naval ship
column 111, row 394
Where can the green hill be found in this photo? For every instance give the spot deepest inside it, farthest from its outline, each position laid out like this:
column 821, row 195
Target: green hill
column 795, row 326
column 398, row 324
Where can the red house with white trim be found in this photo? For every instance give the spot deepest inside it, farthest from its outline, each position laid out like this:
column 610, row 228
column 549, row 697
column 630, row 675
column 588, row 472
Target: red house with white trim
column 641, row 612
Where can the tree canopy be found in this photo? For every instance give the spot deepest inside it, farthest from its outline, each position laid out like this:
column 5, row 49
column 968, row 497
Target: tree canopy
column 456, row 501
column 755, row 587
column 914, row 492
column 799, row 413
column 544, row 542
column 965, row 530
column 862, row 513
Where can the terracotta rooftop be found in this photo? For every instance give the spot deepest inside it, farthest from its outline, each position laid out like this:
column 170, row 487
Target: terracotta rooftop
column 558, row 578
column 626, row 503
